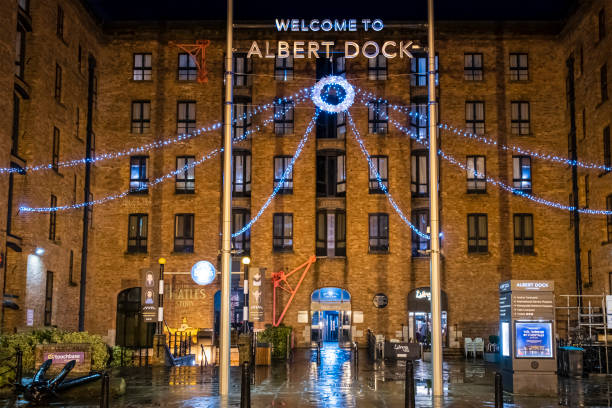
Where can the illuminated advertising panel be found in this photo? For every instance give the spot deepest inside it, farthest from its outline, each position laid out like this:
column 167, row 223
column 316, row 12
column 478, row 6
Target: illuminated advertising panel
column 505, row 339
column 534, row 339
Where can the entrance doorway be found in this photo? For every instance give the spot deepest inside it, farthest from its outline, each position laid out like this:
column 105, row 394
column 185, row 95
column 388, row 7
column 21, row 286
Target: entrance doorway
column 131, row 330
column 330, row 312
column 419, row 316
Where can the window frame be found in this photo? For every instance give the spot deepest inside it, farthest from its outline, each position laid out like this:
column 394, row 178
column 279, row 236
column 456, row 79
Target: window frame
column 520, row 180
column 58, row 83
column 141, row 233
column 282, row 243
column 374, row 187
column 143, row 124
column 284, row 117
column 71, row 269
column 419, row 125
column 473, row 72
column 603, row 82
column 321, row 248
column 377, row 68
column 187, row 124
column 284, row 68
column 143, row 179
column 185, row 237
column 474, row 235
column 188, row 72
column 55, row 152
column 21, row 47
column 376, row 124
column 53, row 218
column 247, row 162
column 242, row 79
column 601, row 26
column 474, row 182
column 144, row 71
column 419, row 77
column 243, row 239
column 607, row 148
column 419, row 243
column 333, row 180
column 522, row 248
column 59, row 30
column 517, row 123
column 183, row 183
column 415, row 173
column 241, row 107
column 473, row 122
column 378, row 242
column 48, row 309
column 519, row 72
column 609, row 218
column 287, row 187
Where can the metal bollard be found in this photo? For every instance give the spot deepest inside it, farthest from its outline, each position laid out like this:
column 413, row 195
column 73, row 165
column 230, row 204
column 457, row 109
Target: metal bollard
column 499, row 391
column 409, row 398
column 356, row 348
column 245, row 395
column 19, row 367
column 104, row 395
column 318, row 353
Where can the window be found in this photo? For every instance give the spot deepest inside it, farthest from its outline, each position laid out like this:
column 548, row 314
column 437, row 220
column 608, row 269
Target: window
column 142, row 67
column 523, row 233
column 56, row 149
column 242, row 242
column 15, row 132
column 603, row 82
column 185, row 179
column 521, row 173
column 478, row 240
column 331, row 125
column 418, row 119
column 476, row 174
column 138, row 175
column 584, row 131
column 77, row 123
column 243, row 68
column 141, row 116
column 52, row 217
column 334, row 65
column 378, row 232
column 475, row 117
column 280, row 165
column 58, row 83
column 241, row 185
column 601, row 23
column 377, row 117
column 137, row 233
column 419, row 175
column 183, row 233
column 186, row 116
column 94, row 92
column 589, row 269
column 283, row 118
column 519, row 67
column 60, row 23
column 609, row 218
column 472, row 67
column 380, row 167
column 331, row 233
column 282, row 232
column 418, row 70
column 331, row 174
column 607, row 152
column 187, row 67
column 24, row 5
column 283, row 68
column 20, row 51
column 420, row 244
column 586, row 191
column 49, row 298
column 377, row 68
column 242, row 116
column 520, row 118
column 71, row 268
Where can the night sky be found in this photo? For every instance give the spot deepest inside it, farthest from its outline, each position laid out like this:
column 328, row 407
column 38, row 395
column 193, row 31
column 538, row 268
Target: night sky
column 109, row 10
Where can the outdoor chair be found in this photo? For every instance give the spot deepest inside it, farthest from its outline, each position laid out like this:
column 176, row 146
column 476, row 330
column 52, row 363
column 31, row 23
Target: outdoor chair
column 468, row 346
column 478, row 346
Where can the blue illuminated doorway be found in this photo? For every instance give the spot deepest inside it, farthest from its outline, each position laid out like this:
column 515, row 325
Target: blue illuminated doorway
column 330, row 313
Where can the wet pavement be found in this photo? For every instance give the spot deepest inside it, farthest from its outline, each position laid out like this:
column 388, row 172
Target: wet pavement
column 336, row 383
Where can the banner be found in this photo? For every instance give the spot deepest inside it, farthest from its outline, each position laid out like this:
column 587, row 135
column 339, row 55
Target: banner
column 256, row 308
column 148, row 295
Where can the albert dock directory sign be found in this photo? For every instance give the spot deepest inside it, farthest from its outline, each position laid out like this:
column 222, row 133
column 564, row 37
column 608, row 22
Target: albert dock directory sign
column 527, row 332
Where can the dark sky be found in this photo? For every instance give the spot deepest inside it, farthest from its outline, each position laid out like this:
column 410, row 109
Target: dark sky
column 388, row 10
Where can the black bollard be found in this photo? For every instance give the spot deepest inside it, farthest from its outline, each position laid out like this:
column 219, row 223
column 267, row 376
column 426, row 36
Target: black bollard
column 409, row 398
column 19, row 367
column 499, row 391
column 318, row 353
column 245, row 396
column 104, row 396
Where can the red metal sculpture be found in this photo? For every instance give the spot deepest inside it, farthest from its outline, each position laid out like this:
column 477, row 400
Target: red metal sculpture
column 197, row 52
column 280, row 281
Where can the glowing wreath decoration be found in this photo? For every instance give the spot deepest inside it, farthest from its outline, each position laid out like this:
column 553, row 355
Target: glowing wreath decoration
column 346, row 103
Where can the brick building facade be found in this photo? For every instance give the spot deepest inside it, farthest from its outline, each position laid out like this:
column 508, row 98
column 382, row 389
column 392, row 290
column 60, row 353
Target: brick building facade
column 504, row 80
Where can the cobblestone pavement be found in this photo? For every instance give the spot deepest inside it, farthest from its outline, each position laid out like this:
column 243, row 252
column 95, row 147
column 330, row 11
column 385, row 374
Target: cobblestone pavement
column 336, row 383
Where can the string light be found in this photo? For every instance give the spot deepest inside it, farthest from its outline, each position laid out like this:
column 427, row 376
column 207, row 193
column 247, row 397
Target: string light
column 145, row 186
column 382, row 186
column 495, row 182
column 327, row 83
column 280, row 182
column 298, row 97
column 486, row 140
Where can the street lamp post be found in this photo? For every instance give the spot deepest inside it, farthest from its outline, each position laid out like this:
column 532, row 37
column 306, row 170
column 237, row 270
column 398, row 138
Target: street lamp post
column 434, row 231
column 160, row 297
column 245, row 310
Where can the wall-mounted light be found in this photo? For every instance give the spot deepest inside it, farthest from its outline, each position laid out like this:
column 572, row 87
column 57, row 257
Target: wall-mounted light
column 39, row 251
column 246, row 260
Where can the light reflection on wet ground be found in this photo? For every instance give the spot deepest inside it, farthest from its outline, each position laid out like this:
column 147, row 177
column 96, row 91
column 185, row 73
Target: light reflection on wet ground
column 336, row 383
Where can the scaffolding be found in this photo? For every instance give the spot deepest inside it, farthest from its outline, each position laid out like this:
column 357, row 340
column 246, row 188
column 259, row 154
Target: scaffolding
column 584, row 322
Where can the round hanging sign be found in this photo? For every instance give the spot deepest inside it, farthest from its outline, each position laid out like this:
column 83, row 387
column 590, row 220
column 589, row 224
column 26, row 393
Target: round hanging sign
column 203, row 273
column 380, row 300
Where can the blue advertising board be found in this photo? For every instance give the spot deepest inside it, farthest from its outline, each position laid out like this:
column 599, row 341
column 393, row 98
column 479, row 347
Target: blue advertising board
column 534, row 339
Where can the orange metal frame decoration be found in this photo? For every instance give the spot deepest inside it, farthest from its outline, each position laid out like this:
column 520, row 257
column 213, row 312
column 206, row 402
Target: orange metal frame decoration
column 197, row 52
column 280, row 281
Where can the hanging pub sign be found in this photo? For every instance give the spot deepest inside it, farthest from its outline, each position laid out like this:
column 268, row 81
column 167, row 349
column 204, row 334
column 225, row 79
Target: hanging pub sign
column 323, row 49
column 380, row 300
column 148, row 296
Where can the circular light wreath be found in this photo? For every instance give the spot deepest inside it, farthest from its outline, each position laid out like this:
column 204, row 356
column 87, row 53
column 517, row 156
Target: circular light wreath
column 338, row 81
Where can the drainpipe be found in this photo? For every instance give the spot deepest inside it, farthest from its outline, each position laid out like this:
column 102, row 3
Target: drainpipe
column 87, row 189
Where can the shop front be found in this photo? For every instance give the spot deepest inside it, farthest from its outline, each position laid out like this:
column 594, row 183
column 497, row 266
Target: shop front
column 419, row 316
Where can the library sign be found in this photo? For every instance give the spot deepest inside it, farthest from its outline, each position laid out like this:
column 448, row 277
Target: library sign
column 323, row 49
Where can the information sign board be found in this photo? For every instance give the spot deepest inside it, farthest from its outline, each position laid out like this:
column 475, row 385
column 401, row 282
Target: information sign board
column 534, row 339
